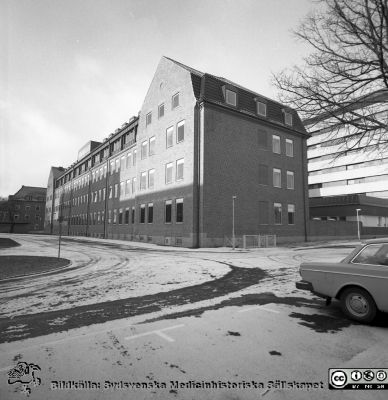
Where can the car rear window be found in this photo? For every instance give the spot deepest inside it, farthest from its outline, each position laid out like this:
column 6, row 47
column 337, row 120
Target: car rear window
column 376, row 254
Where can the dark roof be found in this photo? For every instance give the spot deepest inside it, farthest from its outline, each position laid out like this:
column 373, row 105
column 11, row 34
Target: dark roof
column 29, row 191
column 210, row 88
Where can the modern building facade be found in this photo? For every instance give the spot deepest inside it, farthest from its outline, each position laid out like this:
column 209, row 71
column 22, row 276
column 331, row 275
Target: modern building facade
column 169, row 175
column 23, row 212
column 348, row 169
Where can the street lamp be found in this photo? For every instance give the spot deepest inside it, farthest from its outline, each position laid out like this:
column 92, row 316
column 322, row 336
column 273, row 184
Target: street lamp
column 60, row 220
column 233, row 236
column 358, row 222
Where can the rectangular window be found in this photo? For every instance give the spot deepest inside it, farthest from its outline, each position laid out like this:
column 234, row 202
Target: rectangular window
column 261, row 108
column 180, row 132
column 134, row 157
column 133, row 185
column 263, row 213
column 231, row 97
column 180, row 164
column 122, row 161
column 127, row 187
column 103, row 194
column 167, row 211
column 144, row 147
column 262, row 139
column 129, row 160
column 277, row 208
column 114, row 216
column 288, row 118
column 116, row 190
column 263, row 174
column 169, row 173
column 142, row 213
column 150, row 213
column 289, row 148
column 161, row 111
column 112, row 168
column 151, row 150
column 276, row 144
column 175, row 101
column 98, row 218
column 277, row 178
column 148, row 118
column 169, row 136
column 99, row 195
column 291, row 214
column 290, row 180
column 120, row 216
column 143, row 180
column 117, row 162
column 133, row 215
column 179, row 210
column 126, row 216
column 110, row 192
column 151, row 178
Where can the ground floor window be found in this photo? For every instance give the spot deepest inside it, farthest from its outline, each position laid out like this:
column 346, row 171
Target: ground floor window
column 167, row 213
column 277, row 207
column 150, row 213
column 142, row 213
column 291, row 214
column 127, row 215
column 179, row 210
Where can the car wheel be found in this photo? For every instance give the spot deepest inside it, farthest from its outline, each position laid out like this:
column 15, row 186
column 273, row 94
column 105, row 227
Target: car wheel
column 358, row 304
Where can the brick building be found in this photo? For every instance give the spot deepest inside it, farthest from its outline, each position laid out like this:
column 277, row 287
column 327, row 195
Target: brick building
column 169, row 175
column 24, row 211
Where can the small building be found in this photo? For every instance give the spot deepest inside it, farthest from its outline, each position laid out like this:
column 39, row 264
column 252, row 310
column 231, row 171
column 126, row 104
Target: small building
column 23, row 212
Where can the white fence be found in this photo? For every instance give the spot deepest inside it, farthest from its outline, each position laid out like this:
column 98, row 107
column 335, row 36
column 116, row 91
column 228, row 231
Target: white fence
column 258, row 241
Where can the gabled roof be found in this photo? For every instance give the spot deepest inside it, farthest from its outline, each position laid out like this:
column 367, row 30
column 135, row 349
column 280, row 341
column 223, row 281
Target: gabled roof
column 29, row 191
column 210, row 88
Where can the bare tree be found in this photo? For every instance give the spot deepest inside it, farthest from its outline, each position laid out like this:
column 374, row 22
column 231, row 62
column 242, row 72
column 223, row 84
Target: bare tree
column 344, row 81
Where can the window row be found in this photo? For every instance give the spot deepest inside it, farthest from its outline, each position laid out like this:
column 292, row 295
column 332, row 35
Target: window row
column 231, row 99
column 276, row 177
column 27, row 207
column 161, row 109
column 276, row 146
column 277, row 213
column 173, row 210
column 16, row 217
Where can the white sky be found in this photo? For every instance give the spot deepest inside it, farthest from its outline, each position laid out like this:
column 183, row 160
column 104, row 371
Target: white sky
column 74, row 70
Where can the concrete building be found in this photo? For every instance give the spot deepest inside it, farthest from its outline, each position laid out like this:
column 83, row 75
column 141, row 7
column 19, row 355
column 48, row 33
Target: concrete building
column 342, row 165
column 23, row 212
column 169, row 175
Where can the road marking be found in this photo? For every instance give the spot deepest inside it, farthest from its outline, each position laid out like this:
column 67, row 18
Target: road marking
column 159, row 332
column 259, row 308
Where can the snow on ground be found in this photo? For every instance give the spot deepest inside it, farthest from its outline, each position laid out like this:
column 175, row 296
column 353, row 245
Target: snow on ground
column 103, row 274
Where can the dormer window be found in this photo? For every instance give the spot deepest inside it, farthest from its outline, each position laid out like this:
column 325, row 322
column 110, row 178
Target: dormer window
column 287, row 117
column 261, row 108
column 231, row 97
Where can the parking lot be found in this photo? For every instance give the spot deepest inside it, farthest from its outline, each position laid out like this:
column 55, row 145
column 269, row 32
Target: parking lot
column 147, row 322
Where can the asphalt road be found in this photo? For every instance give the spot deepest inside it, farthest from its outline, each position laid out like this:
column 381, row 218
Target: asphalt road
column 151, row 323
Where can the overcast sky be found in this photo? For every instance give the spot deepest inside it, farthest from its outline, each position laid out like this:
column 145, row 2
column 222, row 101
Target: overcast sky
column 74, row 70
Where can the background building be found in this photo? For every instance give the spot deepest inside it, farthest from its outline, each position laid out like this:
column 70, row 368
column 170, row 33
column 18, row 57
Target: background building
column 346, row 173
column 169, row 175
column 23, row 212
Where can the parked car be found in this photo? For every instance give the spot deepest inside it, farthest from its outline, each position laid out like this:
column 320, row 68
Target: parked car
column 359, row 281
